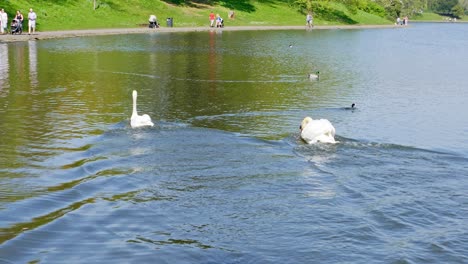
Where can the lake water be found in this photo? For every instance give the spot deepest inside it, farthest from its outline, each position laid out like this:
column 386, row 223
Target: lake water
column 223, row 176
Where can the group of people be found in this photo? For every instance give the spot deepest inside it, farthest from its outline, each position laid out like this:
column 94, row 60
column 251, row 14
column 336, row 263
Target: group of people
column 402, row 22
column 18, row 20
column 219, row 21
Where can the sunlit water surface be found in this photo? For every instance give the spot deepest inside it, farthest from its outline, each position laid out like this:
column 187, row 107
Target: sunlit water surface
column 223, row 176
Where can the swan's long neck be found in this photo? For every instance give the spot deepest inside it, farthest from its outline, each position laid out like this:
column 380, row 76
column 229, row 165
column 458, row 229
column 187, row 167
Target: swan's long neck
column 134, row 103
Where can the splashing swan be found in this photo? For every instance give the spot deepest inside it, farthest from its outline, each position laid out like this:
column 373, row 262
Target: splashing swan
column 313, row 131
column 139, row 120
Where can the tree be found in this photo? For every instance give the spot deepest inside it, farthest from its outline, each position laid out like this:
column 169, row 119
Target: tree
column 304, row 4
column 413, row 7
column 444, row 6
column 392, row 7
column 458, row 11
column 464, row 5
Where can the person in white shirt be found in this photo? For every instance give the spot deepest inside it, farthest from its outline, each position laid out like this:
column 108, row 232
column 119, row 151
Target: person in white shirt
column 3, row 21
column 31, row 21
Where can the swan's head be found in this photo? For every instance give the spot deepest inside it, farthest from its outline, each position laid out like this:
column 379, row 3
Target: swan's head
column 304, row 122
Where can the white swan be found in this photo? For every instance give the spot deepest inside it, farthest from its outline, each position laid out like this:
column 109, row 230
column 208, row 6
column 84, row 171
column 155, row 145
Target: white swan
column 313, row 131
column 314, row 76
column 139, row 120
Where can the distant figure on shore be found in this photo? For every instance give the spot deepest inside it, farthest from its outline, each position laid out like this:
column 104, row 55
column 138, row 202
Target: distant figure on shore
column 212, row 19
column 405, row 20
column 219, row 21
column 3, row 21
column 309, row 20
column 231, row 14
column 19, row 18
column 153, row 21
column 398, row 21
column 31, row 21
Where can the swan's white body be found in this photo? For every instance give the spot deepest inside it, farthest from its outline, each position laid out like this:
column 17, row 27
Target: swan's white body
column 313, row 131
column 314, row 76
column 139, row 120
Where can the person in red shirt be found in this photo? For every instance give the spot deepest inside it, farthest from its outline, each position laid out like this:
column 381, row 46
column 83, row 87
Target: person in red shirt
column 212, row 19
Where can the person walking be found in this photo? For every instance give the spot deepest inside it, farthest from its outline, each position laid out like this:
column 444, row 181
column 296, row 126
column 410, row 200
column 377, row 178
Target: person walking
column 212, row 19
column 309, row 20
column 31, row 21
column 3, row 21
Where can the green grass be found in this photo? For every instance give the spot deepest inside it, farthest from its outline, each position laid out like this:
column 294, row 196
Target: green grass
column 79, row 14
column 428, row 16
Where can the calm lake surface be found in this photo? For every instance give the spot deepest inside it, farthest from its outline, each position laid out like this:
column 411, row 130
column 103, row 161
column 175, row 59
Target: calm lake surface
column 223, row 176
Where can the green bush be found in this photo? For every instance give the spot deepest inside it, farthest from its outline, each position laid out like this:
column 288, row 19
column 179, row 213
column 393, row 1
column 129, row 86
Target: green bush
column 375, row 9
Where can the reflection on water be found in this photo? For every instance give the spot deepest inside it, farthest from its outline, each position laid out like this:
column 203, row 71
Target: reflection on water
column 4, row 68
column 33, row 63
column 223, row 176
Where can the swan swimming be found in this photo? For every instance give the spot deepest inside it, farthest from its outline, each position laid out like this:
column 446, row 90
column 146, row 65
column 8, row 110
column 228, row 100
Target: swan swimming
column 313, row 131
column 139, row 120
column 314, row 76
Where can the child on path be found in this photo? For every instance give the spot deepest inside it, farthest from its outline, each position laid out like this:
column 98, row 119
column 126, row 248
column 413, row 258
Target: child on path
column 212, row 19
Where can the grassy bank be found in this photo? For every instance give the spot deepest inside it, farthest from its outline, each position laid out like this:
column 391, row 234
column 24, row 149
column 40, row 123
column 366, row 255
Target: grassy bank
column 433, row 17
column 79, row 14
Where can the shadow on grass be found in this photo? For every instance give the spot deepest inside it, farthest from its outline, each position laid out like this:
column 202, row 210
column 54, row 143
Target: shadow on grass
column 240, row 5
column 111, row 5
column 328, row 13
column 336, row 15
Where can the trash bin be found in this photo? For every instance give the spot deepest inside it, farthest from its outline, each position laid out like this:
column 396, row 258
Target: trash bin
column 169, row 21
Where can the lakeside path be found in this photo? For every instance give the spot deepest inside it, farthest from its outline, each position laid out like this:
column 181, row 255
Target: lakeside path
column 145, row 30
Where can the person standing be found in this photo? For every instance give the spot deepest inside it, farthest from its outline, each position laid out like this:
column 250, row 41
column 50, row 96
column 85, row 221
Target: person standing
column 19, row 18
column 219, row 21
column 309, row 20
column 3, row 21
column 212, row 19
column 31, row 21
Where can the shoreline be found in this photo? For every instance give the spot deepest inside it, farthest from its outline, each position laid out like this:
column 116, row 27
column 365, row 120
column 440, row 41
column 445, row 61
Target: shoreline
column 145, row 30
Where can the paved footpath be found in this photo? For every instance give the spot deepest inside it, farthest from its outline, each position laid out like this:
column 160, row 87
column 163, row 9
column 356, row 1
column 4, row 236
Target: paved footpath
column 144, row 30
